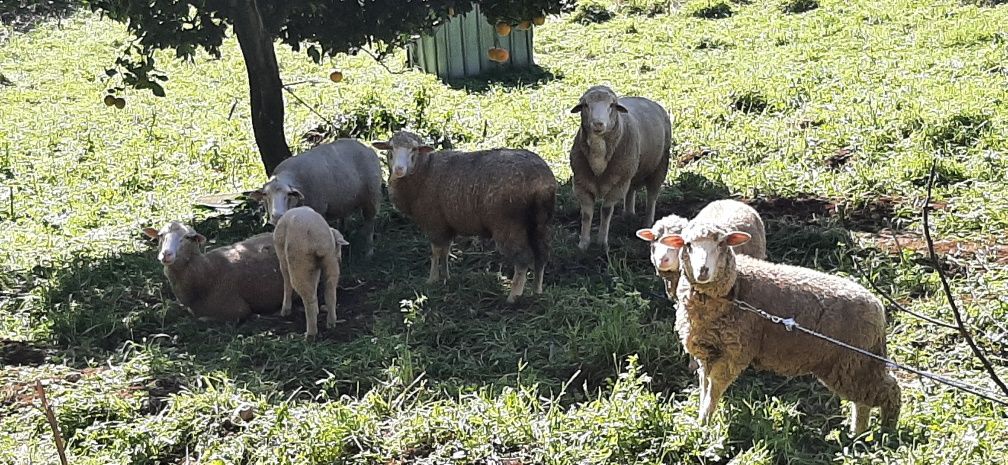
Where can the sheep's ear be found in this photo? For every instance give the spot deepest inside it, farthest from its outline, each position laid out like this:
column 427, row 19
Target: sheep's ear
column 381, row 145
column 619, row 108
column 258, row 195
column 424, row 149
column 647, row 234
column 577, row 108
column 151, row 233
column 737, row 238
column 199, row 238
column 672, row 240
column 297, row 193
column 338, row 237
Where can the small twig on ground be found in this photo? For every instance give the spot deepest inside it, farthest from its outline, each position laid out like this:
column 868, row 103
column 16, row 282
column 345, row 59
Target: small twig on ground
column 234, row 105
column 305, row 81
column 948, row 289
column 309, row 107
column 381, row 62
column 57, row 436
column 896, row 304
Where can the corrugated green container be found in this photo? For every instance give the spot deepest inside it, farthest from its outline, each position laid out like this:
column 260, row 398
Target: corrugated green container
column 459, row 47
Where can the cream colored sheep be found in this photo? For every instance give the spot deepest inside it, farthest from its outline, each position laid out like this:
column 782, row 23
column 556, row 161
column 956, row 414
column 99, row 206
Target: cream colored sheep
column 731, row 215
column 726, row 339
column 225, row 284
column 308, row 249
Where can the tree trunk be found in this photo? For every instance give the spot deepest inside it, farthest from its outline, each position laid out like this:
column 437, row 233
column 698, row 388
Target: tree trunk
column 265, row 86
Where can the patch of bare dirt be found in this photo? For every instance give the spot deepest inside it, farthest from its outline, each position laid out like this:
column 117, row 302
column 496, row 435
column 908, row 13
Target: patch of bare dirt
column 962, row 249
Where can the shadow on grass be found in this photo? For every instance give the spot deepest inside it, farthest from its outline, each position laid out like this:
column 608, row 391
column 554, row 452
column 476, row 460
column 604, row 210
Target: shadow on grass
column 460, row 335
column 25, row 15
column 531, row 78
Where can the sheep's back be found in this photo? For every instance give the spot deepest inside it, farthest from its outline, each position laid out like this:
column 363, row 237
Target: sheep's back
column 475, row 190
column 344, row 174
column 650, row 122
column 833, row 306
column 249, row 269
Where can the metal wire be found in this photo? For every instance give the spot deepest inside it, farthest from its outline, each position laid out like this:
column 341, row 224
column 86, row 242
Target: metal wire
column 790, row 324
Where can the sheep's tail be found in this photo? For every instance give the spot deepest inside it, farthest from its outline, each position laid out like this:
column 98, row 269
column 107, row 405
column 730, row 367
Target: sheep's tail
column 540, row 216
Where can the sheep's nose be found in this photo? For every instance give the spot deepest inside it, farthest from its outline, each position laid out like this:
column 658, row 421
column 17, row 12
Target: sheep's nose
column 398, row 171
column 597, row 126
column 664, row 263
column 167, row 257
column 704, row 272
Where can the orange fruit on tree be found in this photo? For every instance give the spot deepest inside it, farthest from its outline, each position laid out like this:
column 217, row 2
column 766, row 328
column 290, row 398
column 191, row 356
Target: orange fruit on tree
column 120, row 103
column 109, row 100
column 503, row 28
column 539, row 20
column 336, row 76
column 524, row 25
column 499, row 55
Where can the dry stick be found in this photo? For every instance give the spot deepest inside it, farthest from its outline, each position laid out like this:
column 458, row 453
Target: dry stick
column 382, row 62
column 309, row 107
column 60, row 446
column 948, row 289
column 896, row 304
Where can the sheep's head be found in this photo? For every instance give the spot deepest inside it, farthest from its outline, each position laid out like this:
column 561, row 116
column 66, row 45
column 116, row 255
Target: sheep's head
column 664, row 258
column 279, row 196
column 599, row 108
column 177, row 242
column 402, row 152
column 705, row 251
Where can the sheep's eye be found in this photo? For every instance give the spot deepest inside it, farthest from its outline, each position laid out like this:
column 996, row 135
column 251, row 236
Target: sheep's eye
column 689, row 247
column 291, row 194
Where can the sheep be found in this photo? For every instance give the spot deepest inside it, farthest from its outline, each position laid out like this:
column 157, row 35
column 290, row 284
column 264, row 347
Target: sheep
column 508, row 195
column 307, row 249
column 623, row 144
column 225, row 284
column 726, row 339
column 334, row 179
column 729, row 214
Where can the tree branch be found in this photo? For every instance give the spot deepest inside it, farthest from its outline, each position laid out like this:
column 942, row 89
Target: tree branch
column 948, row 289
column 51, row 417
column 896, row 304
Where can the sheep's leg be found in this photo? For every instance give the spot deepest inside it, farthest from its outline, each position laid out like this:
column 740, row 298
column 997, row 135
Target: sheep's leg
column 367, row 230
column 587, row 202
column 891, row 402
column 703, row 385
column 629, row 204
column 721, row 376
column 540, row 270
column 859, row 418
column 518, row 283
column 288, row 292
column 331, row 287
column 652, row 200
column 306, row 284
column 604, row 221
column 439, row 263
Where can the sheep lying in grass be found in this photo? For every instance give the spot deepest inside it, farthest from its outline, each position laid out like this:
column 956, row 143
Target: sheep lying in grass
column 726, row 339
column 334, row 179
column 731, row 215
column 505, row 194
column 225, row 284
column 308, row 249
column 622, row 145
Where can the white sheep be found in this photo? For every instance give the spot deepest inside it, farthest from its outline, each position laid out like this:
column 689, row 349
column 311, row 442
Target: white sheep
column 622, row 145
column 225, row 284
column 335, row 179
column 725, row 339
column 731, row 215
column 307, row 250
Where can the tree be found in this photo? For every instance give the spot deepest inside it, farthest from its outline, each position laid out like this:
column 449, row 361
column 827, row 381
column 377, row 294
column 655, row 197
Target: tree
column 319, row 27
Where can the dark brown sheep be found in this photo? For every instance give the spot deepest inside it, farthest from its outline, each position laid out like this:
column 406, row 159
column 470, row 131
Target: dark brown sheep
column 505, row 194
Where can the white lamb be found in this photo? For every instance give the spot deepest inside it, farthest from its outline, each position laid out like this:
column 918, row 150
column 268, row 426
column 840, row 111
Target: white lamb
column 308, row 249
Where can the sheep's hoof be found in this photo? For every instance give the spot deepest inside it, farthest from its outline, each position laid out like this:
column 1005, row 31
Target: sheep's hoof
column 310, row 336
column 583, row 245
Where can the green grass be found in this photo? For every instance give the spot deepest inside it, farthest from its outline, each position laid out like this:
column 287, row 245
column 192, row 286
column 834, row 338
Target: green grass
column 827, row 121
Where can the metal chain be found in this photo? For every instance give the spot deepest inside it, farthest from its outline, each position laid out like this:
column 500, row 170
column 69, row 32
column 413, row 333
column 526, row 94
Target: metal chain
column 790, row 324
